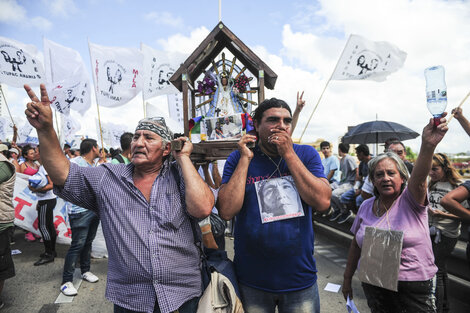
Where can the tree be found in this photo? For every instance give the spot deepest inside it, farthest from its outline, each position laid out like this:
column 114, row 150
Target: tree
column 410, row 155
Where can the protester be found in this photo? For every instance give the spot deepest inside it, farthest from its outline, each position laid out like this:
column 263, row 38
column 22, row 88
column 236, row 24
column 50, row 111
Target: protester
column 444, row 227
column 83, row 224
column 352, row 198
column 125, row 155
column 13, row 158
column 68, row 151
column 349, row 170
column 396, row 146
column 452, row 201
column 274, row 260
column 399, row 207
column 146, row 209
column 47, row 201
column 330, row 165
column 29, row 167
column 7, row 216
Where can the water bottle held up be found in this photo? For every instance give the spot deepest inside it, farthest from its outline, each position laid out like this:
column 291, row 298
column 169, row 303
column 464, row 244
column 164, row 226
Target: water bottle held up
column 436, row 91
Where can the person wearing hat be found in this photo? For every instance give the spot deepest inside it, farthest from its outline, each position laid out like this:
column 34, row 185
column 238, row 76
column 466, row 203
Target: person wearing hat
column 14, row 158
column 147, row 209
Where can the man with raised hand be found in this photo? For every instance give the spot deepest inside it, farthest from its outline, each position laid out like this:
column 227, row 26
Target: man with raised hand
column 274, row 256
column 146, row 209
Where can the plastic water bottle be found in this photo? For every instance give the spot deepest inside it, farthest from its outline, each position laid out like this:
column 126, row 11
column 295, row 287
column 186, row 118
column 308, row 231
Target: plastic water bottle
column 436, row 91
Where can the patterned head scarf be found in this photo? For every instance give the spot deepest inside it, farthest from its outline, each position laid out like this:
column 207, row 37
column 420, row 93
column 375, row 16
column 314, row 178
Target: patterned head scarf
column 156, row 125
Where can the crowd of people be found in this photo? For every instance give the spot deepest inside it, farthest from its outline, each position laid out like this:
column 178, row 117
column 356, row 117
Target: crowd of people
column 149, row 199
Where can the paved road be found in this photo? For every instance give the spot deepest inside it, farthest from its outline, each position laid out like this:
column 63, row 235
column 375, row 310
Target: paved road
column 35, row 289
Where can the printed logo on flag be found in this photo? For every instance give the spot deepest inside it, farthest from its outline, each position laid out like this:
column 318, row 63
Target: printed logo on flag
column 117, row 74
column 160, row 76
column 72, row 95
column 17, row 65
column 365, row 59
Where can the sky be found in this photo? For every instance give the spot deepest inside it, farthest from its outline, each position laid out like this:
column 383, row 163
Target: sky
column 300, row 41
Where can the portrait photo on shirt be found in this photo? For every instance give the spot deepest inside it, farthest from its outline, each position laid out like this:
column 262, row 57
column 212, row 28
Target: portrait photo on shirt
column 278, row 199
column 224, row 128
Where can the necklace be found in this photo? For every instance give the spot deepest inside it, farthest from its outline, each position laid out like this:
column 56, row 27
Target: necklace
column 277, row 166
column 377, row 213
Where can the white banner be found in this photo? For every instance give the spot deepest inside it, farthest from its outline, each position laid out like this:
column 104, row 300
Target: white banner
column 26, row 215
column 153, row 111
column 365, row 59
column 175, row 107
column 68, row 83
column 69, row 127
column 159, row 66
column 111, row 133
column 24, row 131
column 117, row 74
column 3, row 128
column 20, row 64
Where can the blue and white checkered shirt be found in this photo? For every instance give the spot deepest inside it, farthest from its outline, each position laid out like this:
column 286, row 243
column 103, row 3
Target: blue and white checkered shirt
column 151, row 248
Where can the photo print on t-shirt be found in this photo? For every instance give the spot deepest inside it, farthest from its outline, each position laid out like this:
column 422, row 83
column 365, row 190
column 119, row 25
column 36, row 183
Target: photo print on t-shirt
column 278, row 199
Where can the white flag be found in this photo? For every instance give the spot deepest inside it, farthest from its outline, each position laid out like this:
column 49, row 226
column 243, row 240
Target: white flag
column 159, row 66
column 175, row 107
column 117, row 73
column 24, row 131
column 69, row 127
column 111, row 133
column 19, row 64
column 68, row 83
column 365, row 59
column 3, row 128
column 154, row 110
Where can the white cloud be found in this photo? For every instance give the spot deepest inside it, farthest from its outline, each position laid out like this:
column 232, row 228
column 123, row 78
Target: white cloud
column 413, row 28
column 165, row 18
column 184, row 44
column 61, row 8
column 11, row 12
column 41, row 23
column 14, row 14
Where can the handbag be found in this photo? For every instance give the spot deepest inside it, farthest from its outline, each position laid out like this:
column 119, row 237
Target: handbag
column 221, row 293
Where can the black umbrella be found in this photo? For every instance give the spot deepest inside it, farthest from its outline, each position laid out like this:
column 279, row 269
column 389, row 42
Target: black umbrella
column 378, row 132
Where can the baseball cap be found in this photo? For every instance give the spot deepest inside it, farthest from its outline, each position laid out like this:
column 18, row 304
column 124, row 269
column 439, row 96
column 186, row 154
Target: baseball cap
column 3, row 147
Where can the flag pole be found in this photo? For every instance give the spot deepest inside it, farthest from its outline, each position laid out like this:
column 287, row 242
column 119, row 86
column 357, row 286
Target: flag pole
column 8, row 108
column 95, row 80
column 460, row 105
column 143, row 99
column 321, row 95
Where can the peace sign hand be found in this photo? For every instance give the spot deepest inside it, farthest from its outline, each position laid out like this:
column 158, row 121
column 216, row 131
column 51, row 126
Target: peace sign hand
column 38, row 112
column 300, row 102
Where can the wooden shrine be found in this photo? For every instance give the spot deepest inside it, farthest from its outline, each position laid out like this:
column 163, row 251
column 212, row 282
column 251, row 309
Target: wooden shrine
column 209, row 60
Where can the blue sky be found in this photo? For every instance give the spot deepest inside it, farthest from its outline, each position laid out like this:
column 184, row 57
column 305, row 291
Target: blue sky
column 300, row 40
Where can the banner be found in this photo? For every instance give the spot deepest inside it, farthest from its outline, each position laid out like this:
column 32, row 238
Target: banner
column 175, row 107
column 365, row 59
column 153, row 110
column 20, row 64
column 68, row 83
column 69, row 127
column 26, row 215
column 117, row 74
column 111, row 133
column 24, row 131
column 3, row 128
column 159, row 66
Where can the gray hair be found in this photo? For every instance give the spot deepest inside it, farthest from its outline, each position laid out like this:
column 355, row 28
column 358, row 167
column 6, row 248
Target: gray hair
column 395, row 158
